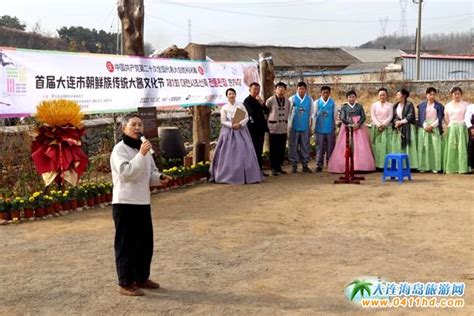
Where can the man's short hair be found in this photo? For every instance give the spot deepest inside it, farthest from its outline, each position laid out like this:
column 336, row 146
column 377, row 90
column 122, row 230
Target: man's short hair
column 301, row 84
column 431, row 89
column 254, row 84
column 280, row 84
column 326, row 88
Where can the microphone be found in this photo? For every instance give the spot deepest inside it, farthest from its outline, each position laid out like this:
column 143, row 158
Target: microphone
column 143, row 139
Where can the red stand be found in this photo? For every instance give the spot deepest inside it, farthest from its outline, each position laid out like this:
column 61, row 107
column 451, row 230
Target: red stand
column 349, row 176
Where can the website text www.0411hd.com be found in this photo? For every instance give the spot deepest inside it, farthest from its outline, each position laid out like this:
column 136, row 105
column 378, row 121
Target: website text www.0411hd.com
column 432, row 302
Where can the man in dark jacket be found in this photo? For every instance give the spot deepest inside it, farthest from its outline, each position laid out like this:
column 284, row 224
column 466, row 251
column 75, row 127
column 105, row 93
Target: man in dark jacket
column 257, row 123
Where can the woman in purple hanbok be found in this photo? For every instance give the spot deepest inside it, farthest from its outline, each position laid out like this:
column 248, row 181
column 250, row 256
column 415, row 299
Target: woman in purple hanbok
column 234, row 160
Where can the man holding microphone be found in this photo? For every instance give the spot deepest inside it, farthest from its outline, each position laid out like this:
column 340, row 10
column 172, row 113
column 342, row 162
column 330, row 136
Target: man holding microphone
column 133, row 172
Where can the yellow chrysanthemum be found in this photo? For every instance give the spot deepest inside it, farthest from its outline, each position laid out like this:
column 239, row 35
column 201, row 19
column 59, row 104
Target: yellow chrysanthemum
column 59, row 112
column 36, row 194
column 31, row 199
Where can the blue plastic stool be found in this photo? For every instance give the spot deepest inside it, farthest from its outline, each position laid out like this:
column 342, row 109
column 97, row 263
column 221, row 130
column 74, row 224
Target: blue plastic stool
column 393, row 167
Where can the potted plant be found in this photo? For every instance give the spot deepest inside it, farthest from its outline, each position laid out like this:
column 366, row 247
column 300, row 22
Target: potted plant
column 73, row 192
column 48, row 202
column 101, row 189
column 37, row 201
column 28, row 211
column 64, row 198
column 108, row 191
column 81, row 196
column 5, row 209
column 55, row 196
column 16, row 207
column 91, row 193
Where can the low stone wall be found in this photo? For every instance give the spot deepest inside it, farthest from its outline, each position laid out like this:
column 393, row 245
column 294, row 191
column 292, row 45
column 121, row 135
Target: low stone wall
column 184, row 122
column 415, row 87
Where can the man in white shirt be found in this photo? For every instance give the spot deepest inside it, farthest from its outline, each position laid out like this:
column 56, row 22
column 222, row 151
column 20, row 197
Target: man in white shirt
column 133, row 172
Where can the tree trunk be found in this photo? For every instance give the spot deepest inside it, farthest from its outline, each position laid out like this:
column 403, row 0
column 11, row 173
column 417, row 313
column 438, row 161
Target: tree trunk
column 267, row 74
column 132, row 15
column 201, row 114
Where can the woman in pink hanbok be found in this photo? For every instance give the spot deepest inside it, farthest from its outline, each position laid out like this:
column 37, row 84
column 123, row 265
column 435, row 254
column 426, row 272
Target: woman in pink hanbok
column 352, row 114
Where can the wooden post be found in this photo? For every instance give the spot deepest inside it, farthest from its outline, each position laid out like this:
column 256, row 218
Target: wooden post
column 132, row 15
column 201, row 114
column 267, row 76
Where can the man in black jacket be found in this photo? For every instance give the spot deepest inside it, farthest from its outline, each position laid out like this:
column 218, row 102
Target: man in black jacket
column 257, row 123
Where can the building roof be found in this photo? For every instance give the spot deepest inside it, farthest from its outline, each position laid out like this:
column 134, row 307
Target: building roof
column 283, row 56
column 368, row 67
column 439, row 56
column 370, row 55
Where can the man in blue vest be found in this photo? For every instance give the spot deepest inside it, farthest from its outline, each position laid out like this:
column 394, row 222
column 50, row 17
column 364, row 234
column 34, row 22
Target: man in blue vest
column 299, row 123
column 325, row 111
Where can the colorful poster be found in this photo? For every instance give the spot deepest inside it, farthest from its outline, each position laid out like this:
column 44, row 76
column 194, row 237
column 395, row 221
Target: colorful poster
column 115, row 83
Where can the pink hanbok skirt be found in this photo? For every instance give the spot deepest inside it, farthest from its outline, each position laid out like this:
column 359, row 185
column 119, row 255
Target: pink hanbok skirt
column 363, row 157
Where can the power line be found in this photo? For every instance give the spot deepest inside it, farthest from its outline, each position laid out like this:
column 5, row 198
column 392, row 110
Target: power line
column 295, row 18
column 241, row 4
column 182, row 27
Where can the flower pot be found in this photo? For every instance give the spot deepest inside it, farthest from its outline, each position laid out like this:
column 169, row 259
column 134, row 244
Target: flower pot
column 66, row 205
column 57, row 207
column 15, row 214
column 73, row 204
column 97, row 199
column 28, row 212
column 91, row 201
column 108, row 197
column 80, row 203
column 39, row 212
column 5, row 216
column 49, row 209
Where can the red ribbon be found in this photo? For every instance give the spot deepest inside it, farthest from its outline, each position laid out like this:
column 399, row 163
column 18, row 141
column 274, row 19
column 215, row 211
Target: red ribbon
column 58, row 149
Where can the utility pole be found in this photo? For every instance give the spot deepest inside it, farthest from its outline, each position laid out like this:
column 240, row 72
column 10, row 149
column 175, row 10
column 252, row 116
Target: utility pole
column 190, row 40
column 403, row 18
column 418, row 39
column 119, row 33
column 383, row 26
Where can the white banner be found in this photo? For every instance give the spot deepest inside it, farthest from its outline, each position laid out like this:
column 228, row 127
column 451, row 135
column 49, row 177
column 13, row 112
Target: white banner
column 115, row 83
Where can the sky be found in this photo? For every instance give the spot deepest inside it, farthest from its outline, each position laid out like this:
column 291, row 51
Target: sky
column 310, row 23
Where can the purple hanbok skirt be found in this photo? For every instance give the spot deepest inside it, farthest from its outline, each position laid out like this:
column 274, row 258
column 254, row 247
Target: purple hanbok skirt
column 235, row 161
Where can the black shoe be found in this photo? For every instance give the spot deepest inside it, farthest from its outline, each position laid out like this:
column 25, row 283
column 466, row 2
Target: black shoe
column 282, row 171
column 319, row 169
column 274, row 172
column 306, row 169
column 294, row 169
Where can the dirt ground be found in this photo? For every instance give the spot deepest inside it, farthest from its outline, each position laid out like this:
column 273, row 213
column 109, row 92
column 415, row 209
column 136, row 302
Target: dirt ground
column 286, row 246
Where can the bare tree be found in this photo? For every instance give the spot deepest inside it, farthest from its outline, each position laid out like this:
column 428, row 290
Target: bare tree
column 132, row 15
